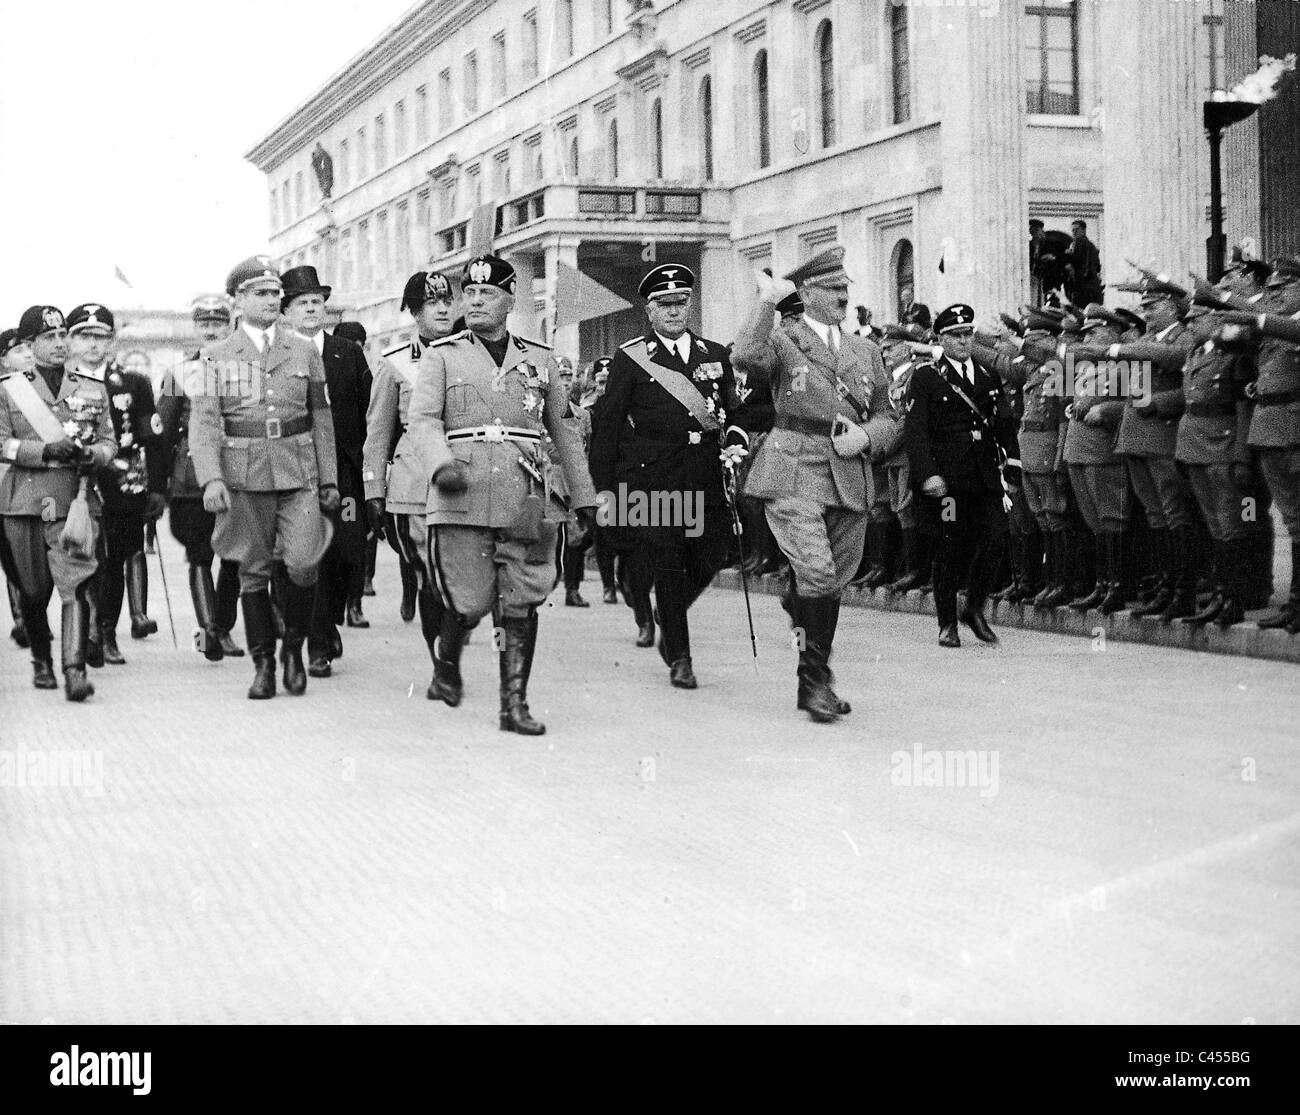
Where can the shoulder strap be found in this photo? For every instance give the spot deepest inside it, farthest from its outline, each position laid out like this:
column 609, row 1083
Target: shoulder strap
column 676, row 384
column 35, row 409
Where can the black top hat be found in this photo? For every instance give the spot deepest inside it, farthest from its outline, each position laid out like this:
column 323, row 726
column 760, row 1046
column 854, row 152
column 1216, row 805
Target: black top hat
column 302, row 280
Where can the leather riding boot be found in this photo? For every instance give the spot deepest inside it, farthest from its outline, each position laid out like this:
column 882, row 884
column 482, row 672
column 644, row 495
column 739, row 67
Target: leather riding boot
column 1290, row 611
column 1182, row 575
column 841, row 706
column 1016, row 563
column 368, row 574
column 519, row 641
column 871, row 571
column 1032, row 547
column 227, row 610
column 279, row 581
column 910, row 576
column 137, row 596
column 203, row 594
column 1057, row 591
column 259, row 632
column 410, row 587
column 1098, row 593
column 812, row 616
column 1114, row 600
column 355, row 616
column 94, row 633
column 299, row 601
column 447, row 684
column 1220, row 595
column 1236, row 580
column 1162, row 589
column 41, row 640
column 18, row 633
column 76, row 627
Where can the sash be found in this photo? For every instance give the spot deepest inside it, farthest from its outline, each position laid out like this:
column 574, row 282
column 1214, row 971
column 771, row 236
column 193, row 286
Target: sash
column 1002, row 458
column 675, row 383
column 35, row 409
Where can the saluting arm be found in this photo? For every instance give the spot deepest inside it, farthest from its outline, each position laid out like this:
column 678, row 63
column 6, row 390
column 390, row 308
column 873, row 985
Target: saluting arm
column 753, row 349
column 1157, row 352
column 1271, row 325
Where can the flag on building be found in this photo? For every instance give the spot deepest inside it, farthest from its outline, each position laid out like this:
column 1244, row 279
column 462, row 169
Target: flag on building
column 578, row 298
column 117, row 274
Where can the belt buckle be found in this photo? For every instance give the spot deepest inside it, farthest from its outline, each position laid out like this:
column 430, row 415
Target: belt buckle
column 693, row 437
column 273, row 427
column 494, row 433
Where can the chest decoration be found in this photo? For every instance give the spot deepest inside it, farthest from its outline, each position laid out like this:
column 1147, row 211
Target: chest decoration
column 129, row 462
column 707, row 378
column 536, row 380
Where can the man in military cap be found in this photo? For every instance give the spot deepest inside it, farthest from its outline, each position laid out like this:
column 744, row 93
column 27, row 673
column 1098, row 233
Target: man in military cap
column 675, row 389
column 55, row 430
column 483, row 400
column 830, row 394
column 958, row 437
column 263, row 447
column 132, row 487
column 215, row 606
column 396, row 485
column 341, row 576
column 15, row 356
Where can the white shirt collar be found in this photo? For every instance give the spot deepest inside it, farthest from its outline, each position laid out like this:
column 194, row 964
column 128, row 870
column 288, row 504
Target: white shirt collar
column 319, row 342
column 1166, row 331
column 255, row 334
column 823, row 330
column 681, row 346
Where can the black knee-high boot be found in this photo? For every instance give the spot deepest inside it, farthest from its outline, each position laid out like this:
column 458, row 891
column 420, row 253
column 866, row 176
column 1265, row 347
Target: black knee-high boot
column 76, row 627
column 259, row 631
column 18, row 633
column 299, row 601
column 41, row 640
column 519, row 635
column 137, row 594
column 203, row 594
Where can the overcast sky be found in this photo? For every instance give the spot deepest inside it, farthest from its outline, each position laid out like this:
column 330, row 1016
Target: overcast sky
column 123, row 127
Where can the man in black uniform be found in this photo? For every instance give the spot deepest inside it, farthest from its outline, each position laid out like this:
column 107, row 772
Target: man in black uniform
column 957, row 433
column 676, row 389
column 132, row 485
column 215, row 606
column 342, row 571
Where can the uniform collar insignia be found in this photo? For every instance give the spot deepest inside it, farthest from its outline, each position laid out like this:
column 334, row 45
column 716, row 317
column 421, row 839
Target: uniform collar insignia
column 96, row 374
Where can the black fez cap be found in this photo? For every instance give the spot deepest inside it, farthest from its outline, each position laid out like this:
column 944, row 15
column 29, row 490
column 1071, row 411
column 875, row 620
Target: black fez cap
column 489, row 270
column 426, row 286
column 39, row 319
column 8, row 339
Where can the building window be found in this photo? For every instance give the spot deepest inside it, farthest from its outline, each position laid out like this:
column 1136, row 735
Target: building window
column 403, row 237
column 826, row 82
column 300, row 193
column 706, row 127
column 471, row 83
column 657, row 135
column 383, row 254
column 613, row 150
column 475, row 182
column 348, row 259
column 447, row 201
column 444, row 101
column 422, row 115
column 901, row 63
column 421, row 247
column 533, row 158
column 761, row 110
column 275, row 207
column 498, row 65
column 564, row 28
column 530, row 45
column 1212, row 59
column 571, row 167
column 1052, row 57
column 501, row 174
column 904, row 278
column 361, row 155
column 366, row 271
column 381, row 144
column 343, row 169
column 605, row 16
column 399, row 129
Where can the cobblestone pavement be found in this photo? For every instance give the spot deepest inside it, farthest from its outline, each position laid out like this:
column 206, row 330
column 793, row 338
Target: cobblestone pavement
column 1128, row 854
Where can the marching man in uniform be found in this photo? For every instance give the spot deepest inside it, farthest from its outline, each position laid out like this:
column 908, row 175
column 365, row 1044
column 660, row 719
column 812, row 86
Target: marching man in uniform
column 397, row 493
column 675, row 388
column 831, row 397
column 38, row 488
column 263, row 447
column 481, row 403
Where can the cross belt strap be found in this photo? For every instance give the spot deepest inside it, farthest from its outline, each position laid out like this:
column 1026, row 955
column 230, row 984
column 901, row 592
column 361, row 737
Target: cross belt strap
column 676, row 384
column 494, row 434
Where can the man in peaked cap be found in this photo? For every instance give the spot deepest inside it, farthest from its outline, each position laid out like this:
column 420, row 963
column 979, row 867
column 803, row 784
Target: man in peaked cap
column 132, row 486
column 215, row 605
column 15, row 356
column 341, row 576
column 38, row 488
column 830, row 394
column 959, row 430
column 263, row 446
column 676, row 389
column 396, row 486
column 483, row 400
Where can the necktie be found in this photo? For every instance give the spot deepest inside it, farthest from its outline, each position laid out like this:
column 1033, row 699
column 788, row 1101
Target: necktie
column 266, row 341
column 835, row 340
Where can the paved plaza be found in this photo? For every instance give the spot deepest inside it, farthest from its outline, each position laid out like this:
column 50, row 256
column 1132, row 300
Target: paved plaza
column 1121, row 845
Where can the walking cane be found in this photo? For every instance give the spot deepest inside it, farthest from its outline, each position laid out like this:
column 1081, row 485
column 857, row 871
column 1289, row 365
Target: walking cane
column 730, row 489
column 167, row 596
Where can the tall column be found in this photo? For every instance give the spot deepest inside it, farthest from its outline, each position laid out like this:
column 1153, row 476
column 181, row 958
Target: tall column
column 714, row 290
column 1152, row 137
column 523, row 319
column 981, row 227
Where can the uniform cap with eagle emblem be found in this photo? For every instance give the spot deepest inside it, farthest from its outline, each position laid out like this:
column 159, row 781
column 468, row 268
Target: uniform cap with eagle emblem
column 1153, row 288
column 92, row 317
column 37, row 320
column 210, row 307
column 824, row 269
column 1096, row 314
column 254, row 269
column 667, row 278
column 489, row 270
column 426, row 286
column 958, row 317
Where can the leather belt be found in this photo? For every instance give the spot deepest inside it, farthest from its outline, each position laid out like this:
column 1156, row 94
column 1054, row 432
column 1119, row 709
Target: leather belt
column 270, row 428
column 494, row 434
column 1277, row 398
column 691, row 437
column 1030, row 426
column 817, row 427
column 1212, row 410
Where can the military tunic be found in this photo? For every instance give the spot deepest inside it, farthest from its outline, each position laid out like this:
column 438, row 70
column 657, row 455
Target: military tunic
column 493, row 544
column 262, row 424
column 1275, row 423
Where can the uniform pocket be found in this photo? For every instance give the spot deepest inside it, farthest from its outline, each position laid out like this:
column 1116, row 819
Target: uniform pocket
column 234, row 465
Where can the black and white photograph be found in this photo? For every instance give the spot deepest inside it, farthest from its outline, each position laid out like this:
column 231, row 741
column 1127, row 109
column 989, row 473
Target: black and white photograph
column 651, row 512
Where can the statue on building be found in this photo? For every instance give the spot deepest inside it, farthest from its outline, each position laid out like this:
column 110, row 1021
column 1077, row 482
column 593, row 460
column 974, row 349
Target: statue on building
column 323, row 167
column 642, row 18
